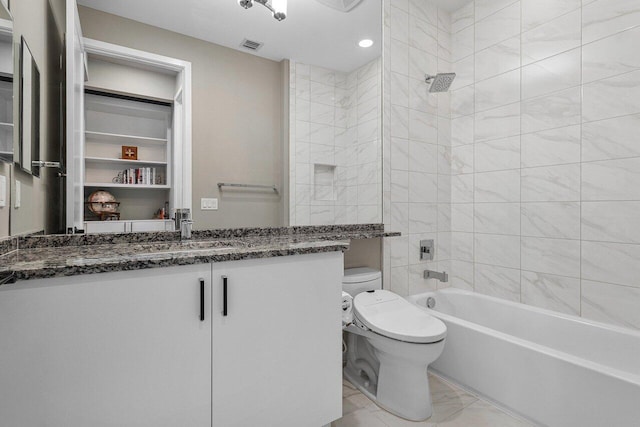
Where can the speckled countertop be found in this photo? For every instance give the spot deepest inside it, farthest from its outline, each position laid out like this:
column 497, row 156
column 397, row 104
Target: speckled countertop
column 37, row 257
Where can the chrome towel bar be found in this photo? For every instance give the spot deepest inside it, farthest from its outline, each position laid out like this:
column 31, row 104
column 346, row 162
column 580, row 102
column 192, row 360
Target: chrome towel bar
column 263, row 187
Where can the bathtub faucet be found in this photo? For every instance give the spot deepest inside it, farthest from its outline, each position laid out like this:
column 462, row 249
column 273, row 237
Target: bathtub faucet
column 443, row 277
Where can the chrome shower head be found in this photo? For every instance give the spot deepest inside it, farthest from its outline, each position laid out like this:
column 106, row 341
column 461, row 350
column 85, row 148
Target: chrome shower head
column 440, row 82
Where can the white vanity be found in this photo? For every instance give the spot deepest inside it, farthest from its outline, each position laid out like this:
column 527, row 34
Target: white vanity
column 155, row 347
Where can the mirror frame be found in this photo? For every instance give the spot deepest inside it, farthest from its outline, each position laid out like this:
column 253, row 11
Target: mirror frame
column 29, row 114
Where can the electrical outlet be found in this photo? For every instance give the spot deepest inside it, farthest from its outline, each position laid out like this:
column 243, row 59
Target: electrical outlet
column 208, row 204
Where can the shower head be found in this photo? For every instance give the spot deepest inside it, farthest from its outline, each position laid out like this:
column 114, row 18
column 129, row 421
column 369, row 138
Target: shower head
column 440, row 82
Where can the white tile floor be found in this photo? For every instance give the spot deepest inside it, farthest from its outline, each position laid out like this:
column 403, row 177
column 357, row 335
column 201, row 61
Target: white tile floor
column 452, row 407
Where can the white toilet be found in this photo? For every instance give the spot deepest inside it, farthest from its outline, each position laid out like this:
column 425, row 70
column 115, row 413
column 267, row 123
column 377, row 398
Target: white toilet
column 390, row 344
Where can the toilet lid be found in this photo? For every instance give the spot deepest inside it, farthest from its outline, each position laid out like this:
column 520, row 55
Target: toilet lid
column 394, row 317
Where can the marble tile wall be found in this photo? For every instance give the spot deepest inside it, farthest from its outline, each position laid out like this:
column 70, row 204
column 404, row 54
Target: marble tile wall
column 335, row 148
column 416, row 142
column 545, row 158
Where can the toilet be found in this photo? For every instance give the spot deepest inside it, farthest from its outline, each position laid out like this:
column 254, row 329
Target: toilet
column 390, row 344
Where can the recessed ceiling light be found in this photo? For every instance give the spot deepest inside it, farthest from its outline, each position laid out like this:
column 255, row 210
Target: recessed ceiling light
column 365, row 43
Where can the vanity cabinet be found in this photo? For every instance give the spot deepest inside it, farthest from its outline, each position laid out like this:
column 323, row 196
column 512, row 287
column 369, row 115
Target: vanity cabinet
column 154, row 348
column 277, row 349
column 113, row 349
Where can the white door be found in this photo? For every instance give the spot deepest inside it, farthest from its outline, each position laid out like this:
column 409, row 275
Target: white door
column 111, row 349
column 75, row 77
column 277, row 351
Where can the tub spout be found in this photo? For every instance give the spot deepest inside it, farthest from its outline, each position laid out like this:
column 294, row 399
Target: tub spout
column 443, row 277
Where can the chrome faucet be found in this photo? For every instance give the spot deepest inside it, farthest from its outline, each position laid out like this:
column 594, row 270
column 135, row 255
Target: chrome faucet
column 184, row 222
column 185, row 229
column 443, row 277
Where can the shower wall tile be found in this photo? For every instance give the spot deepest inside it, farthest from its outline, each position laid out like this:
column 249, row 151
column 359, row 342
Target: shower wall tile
column 616, row 54
column 462, row 44
column 551, row 111
column 462, row 159
column 611, row 139
column 462, row 246
column 556, row 36
column 551, row 183
column 538, row 12
column 611, row 303
column 417, row 140
column 423, row 35
column 464, row 73
column 551, row 219
column 497, row 59
column 492, row 187
column 605, row 17
column 497, row 27
column 497, row 123
column 423, row 157
column 552, row 74
column 615, row 96
column 499, row 154
column 498, row 250
column 462, row 129
column 611, row 262
column 551, row 147
column 552, row 256
column 399, row 20
column 611, row 180
column 497, row 218
column 462, row 217
column 611, row 221
column 462, row 18
column 545, row 164
column 484, row 8
column 461, row 276
column 497, row 282
column 497, row 91
column 551, row 292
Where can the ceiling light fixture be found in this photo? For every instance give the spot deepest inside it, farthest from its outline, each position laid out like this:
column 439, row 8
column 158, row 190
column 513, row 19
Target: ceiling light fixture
column 278, row 8
column 365, row 43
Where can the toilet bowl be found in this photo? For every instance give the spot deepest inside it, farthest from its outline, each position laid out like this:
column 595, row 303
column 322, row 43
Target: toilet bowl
column 390, row 345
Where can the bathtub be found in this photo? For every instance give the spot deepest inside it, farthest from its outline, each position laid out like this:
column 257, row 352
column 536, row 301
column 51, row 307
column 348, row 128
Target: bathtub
column 553, row 369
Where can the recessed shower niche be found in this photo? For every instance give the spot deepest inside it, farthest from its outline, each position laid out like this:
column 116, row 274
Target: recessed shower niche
column 324, row 178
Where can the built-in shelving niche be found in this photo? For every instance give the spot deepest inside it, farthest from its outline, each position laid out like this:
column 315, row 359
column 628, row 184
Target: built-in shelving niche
column 113, row 121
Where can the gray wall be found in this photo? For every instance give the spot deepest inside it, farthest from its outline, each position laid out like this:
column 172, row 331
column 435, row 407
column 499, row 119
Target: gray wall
column 237, row 118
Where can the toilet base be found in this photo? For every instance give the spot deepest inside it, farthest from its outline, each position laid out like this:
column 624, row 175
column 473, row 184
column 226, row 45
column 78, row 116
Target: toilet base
column 399, row 382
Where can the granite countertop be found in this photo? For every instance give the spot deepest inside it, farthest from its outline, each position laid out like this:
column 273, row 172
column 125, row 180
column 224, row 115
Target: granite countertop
column 37, row 257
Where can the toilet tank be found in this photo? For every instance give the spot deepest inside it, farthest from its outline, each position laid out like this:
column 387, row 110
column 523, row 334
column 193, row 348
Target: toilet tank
column 361, row 279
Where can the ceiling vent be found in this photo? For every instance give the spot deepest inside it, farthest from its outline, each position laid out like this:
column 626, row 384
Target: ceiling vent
column 251, row 45
column 341, row 5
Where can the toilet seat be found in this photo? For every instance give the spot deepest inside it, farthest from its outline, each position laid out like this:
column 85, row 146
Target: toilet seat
column 392, row 316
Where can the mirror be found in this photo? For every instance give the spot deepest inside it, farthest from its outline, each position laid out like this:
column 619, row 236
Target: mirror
column 293, row 104
column 35, row 195
column 29, row 146
column 6, row 115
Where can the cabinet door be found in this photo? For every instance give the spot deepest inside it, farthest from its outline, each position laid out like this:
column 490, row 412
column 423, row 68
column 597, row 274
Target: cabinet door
column 277, row 353
column 111, row 349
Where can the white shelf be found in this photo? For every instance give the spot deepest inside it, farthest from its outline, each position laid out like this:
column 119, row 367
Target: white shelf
column 108, row 105
column 123, row 161
column 115, row 138
column 129, row 186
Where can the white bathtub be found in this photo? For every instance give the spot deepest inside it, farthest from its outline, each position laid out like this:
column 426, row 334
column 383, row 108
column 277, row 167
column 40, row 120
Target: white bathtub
column 554, row 369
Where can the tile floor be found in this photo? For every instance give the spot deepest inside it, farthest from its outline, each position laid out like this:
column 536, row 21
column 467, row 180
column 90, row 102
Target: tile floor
column 452, row 407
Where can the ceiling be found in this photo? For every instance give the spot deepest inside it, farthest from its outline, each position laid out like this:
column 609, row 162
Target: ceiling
column 312, row 33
